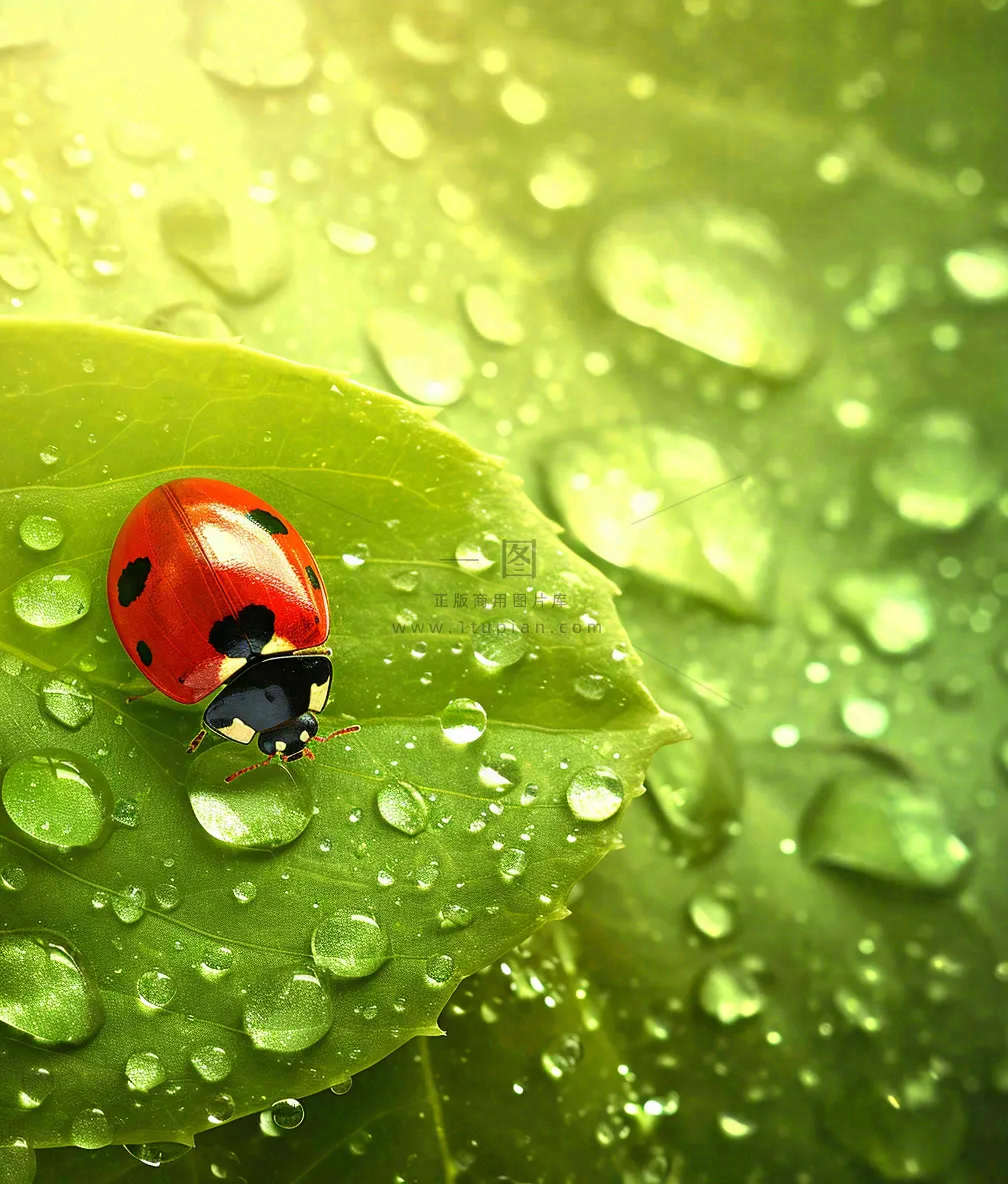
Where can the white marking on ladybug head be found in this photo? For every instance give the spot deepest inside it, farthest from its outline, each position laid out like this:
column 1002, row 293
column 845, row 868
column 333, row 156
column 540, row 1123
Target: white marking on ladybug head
column 237, row 730
column 304, row 737
column 319, row 694
column 277, row 645
column 280, row 745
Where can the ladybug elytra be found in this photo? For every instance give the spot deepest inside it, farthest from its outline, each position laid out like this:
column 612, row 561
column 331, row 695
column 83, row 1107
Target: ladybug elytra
column 211, row 589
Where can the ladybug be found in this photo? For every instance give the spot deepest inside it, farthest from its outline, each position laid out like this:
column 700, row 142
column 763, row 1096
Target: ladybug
column 211, row 589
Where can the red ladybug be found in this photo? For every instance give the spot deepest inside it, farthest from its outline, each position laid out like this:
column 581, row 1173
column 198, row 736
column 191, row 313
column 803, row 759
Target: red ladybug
column 212, row 589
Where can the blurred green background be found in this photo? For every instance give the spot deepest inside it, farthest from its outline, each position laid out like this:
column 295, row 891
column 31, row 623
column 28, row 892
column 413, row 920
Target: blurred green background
column 750, row 253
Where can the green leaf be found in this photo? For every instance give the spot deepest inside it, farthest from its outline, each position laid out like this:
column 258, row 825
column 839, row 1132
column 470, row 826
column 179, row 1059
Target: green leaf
column 213, row 947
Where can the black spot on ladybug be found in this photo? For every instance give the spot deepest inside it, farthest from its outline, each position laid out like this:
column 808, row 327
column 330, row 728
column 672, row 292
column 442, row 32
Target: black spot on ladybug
column 144, row 650
column 267, row 521
column 313, row 578
column 133, row 580
column 244, row 635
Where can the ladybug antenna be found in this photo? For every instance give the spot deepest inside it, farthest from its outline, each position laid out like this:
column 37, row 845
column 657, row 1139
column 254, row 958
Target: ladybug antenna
column 197, row 740
column 333, row 735
column 142, row 695
column 248, row 768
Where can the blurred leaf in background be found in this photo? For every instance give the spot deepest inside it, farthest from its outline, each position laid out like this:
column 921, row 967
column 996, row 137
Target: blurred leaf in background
column 764, row 235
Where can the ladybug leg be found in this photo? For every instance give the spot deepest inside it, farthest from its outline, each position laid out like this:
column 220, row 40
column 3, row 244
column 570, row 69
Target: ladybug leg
column 309, row 754
column 247, row 769
column 197, row 740
column 333, row 735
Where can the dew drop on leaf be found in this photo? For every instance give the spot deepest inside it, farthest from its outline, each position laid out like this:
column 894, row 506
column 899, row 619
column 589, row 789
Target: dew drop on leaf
column 473, row 556
column 729, row 993
column 17, row 1163
column 463, row 721
column 144, row 1071
column 267, row 808
column 287, row 1011
column 155, row 1155
column 67, row 703
column 710, row 916
column 36, row 1085
column 244, row 892
column 439, row 969
column 41, row 532
column 512, row 863
column 403, row 806
column 288, row 1113
column 56, row 800
column 455, row 916
column 561, row 1055
column 595, row 794
column 90, row 1129
column 211, row 1062
column 46, row 992
column 500, row 773
column 51, row 599
column 130, row 904
column 500, row 643
column 220, row 1110
column 342, row 1087
column 350, row 945
column 156, row 988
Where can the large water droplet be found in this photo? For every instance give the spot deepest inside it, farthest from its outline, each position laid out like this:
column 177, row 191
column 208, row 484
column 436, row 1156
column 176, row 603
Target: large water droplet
column 287, row 1011
column 892, row 609
column 713, row 278
column 403, row 806
column 885, row 828
column 288, row 1113
column 211, row 1062
column 90, row 1129
column 41, row 532
column 67, row 702
column 267, row 808
column 934, row 473
column 729, row 993
column 258, row 44
column 595, row 794
column 350, row 945
column 426, row 361
column 52, row 598
column 144, row 1071
column 463, row 721
column 500, row 642
column 239, row 249
column 980, row 273
column 190, row 319
column 57, row 799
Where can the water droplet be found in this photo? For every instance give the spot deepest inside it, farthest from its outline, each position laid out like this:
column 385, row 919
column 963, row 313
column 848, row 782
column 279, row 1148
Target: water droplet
column 524, row 103
column 427, row 361
column 19, row 271
column 190, row 319
column 455, row 916
column 595, row 794
column 561, row 1055
column 711, row 917
column 125, row 812
column 17, row 1163
column 867, row 718
column 492, row 315
column 359, row 1143
column 350, row 945
column 139, row 141
column 130, row 904
column 12, row 877
column 711, row 277
column 83, row 237
column 350, row 239
column 36, row 1085
column 216, row 962
column 477, row 556
column 403, row 806
column 593, row 687
column 729, row 993
column 57, row 800
column 211, row 1062
column 90, row 1129
column 288, row 1113
column 239, row 250
column 341, row 1087
column 499, row 643
column 892, row 609
column 934, row 473
column 67, row 702
column 156, row 1155
column 885, row 828
column 426, row 875
column 244, row 892
column 734, row 1127
column 144, row 1071
column 562, row 182
column 220, row 1110
column 257, row 45
column 512, row 864
column 439, row 970
column 156, row 988
column 287, row 1011
column 500, row 773
column 463, row 721
column 400, row 132
column 49, row 454
column 41, row 532
column 980, row 273
column 52, row 598
column 268, row 808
